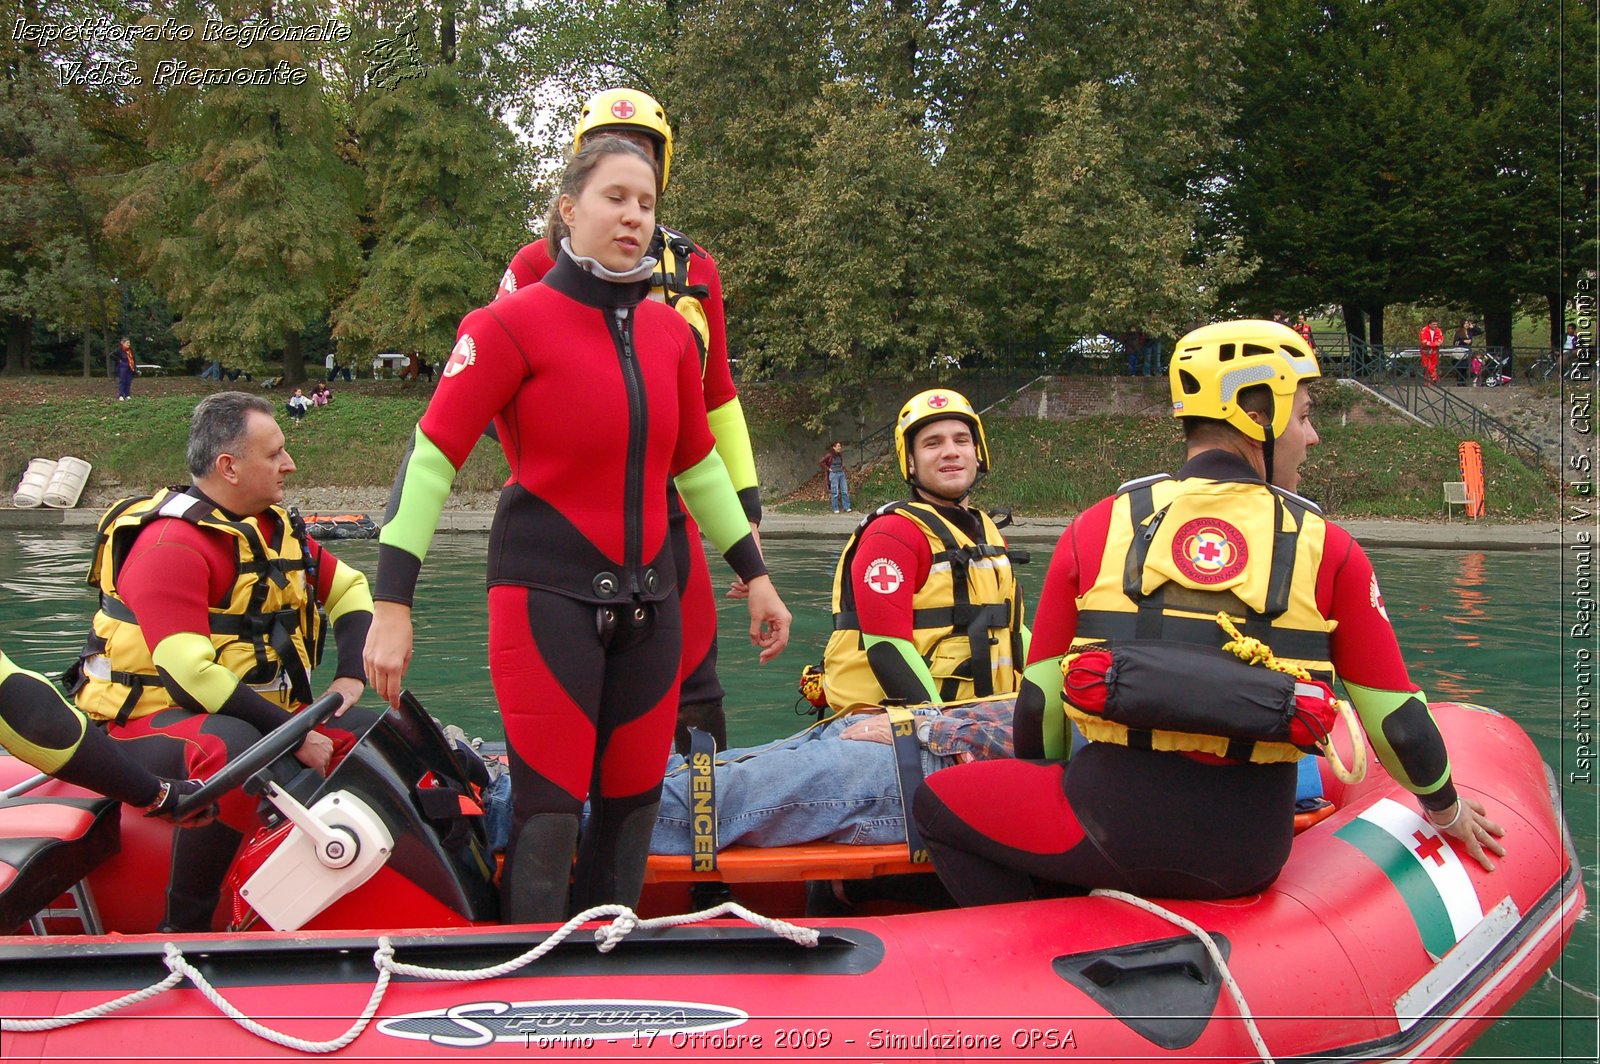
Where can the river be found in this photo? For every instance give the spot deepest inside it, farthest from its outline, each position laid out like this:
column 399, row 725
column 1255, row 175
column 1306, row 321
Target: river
column 1481, row 627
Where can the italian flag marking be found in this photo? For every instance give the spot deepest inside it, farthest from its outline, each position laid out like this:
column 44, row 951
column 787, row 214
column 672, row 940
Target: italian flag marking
column 1423, row 868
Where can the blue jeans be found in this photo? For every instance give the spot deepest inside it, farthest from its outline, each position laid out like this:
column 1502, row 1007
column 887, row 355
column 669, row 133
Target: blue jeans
column 810, row 787
column 838, row 490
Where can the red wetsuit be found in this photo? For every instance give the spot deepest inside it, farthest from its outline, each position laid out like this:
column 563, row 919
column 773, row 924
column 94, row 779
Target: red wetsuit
column 596, row 399
column 699, row 683
column 174, row 573
column 1156, row 823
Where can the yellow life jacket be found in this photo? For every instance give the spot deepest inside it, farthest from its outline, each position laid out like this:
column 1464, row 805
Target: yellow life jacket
column 966, row 617
column 670, row 284
column 1177, row 553
column 269, row 633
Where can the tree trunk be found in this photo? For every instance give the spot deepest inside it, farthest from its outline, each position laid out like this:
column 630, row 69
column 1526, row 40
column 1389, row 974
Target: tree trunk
column 294, row 360
column 447, row 33
column 19, row 335
column 1558, row 325
column 105, row 344
column 1375, row 325
column 1497, row 325
column 1355, row 322
column 83, row 349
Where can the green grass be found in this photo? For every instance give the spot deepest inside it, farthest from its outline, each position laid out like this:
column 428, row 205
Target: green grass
column 357, row 440
column 1365, row 469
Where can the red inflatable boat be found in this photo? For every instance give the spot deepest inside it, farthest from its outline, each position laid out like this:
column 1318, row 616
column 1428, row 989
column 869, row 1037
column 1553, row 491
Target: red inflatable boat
column 1378, row 942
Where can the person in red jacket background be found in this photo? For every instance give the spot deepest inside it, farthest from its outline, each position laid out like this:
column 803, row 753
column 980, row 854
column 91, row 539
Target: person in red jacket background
column 1430, row 338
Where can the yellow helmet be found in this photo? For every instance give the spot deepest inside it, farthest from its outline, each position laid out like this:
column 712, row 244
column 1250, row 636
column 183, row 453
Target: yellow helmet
column 616, row 110
column 1213, row 364
column 935, row 404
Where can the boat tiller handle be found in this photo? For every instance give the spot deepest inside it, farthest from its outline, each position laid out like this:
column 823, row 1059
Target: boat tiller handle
column 335, row 846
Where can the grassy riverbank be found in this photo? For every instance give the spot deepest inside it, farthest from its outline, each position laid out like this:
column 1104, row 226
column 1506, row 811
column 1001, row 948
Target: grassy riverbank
column 1367, row 466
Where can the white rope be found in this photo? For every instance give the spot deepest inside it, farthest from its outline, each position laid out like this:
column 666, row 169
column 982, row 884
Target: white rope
column 1216, row 958
column 624, row 922
column 93, row 1012
column 380, row 961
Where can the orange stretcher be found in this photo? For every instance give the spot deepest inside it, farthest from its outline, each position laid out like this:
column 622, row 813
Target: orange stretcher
column 1472, row 476
column 825, row 860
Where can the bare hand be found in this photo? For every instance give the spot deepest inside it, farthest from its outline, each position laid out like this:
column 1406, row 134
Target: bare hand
column 316, row 752
column 388, row 650
column 1475, row 830
column 770, row 622
column 349, row 689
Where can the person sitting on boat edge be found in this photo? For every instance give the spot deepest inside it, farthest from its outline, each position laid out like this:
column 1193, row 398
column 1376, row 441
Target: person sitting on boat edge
column 43, row 730
column 1144, row 576
column 926, row 607
column 685, row 278
column 210, row 624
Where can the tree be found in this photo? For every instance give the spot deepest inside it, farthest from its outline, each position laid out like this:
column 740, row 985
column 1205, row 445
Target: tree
column 1390, row 152
column 245, row 221
column 443, row 204
column 51, row 261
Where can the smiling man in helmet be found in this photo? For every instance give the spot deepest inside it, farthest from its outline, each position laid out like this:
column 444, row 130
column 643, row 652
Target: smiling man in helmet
column 686, row 279
column 1159, row 803
column 926, row 608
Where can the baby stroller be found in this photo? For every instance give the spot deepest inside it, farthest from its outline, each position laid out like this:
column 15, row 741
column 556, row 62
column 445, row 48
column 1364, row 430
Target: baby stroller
column 1490, row 369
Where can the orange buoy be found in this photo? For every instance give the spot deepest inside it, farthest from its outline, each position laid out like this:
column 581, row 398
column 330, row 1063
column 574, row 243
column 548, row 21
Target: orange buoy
column 1472, row 474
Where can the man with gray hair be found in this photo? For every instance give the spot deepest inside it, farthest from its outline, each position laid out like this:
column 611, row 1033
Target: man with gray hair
column 213, row 608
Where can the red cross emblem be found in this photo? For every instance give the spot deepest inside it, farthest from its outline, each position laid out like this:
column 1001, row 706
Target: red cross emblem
column 1209, row 551
column 884, row 576
column 464, row 354
column 938, row 402
column 1428, row 847
column 623, row 109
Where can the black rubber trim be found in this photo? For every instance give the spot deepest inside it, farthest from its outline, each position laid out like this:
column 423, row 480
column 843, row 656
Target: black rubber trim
column 291, row 960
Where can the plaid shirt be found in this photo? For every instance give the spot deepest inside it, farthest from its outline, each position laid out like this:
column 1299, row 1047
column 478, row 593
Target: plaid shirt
column 974, row 731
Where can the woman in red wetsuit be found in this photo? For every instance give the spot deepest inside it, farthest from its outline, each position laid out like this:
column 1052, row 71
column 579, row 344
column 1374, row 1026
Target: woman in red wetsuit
column 595, row 395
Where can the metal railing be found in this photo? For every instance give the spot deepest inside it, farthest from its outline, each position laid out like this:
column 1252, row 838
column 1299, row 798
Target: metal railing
column 987, row 377
column 1437, row 406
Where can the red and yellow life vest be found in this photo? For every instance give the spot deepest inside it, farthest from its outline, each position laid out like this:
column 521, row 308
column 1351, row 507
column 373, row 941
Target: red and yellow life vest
column 1177, row 553
column 966, row 617
column 269, row 633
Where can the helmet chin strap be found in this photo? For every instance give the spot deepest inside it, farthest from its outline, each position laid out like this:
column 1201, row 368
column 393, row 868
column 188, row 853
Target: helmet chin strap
column 1268, row 440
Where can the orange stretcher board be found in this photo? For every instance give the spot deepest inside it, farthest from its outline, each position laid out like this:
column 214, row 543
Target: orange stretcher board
column 1472, row 475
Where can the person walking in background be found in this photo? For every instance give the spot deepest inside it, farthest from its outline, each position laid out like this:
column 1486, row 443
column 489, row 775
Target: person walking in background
column 832, row 463
column 1430, row 338
column 126, row 368
column 331, row 363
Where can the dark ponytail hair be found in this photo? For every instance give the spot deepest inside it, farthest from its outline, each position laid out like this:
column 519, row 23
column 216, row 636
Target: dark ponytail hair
column 576, row 177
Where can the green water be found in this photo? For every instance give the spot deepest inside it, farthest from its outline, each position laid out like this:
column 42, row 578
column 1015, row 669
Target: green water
column 1487, row 628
